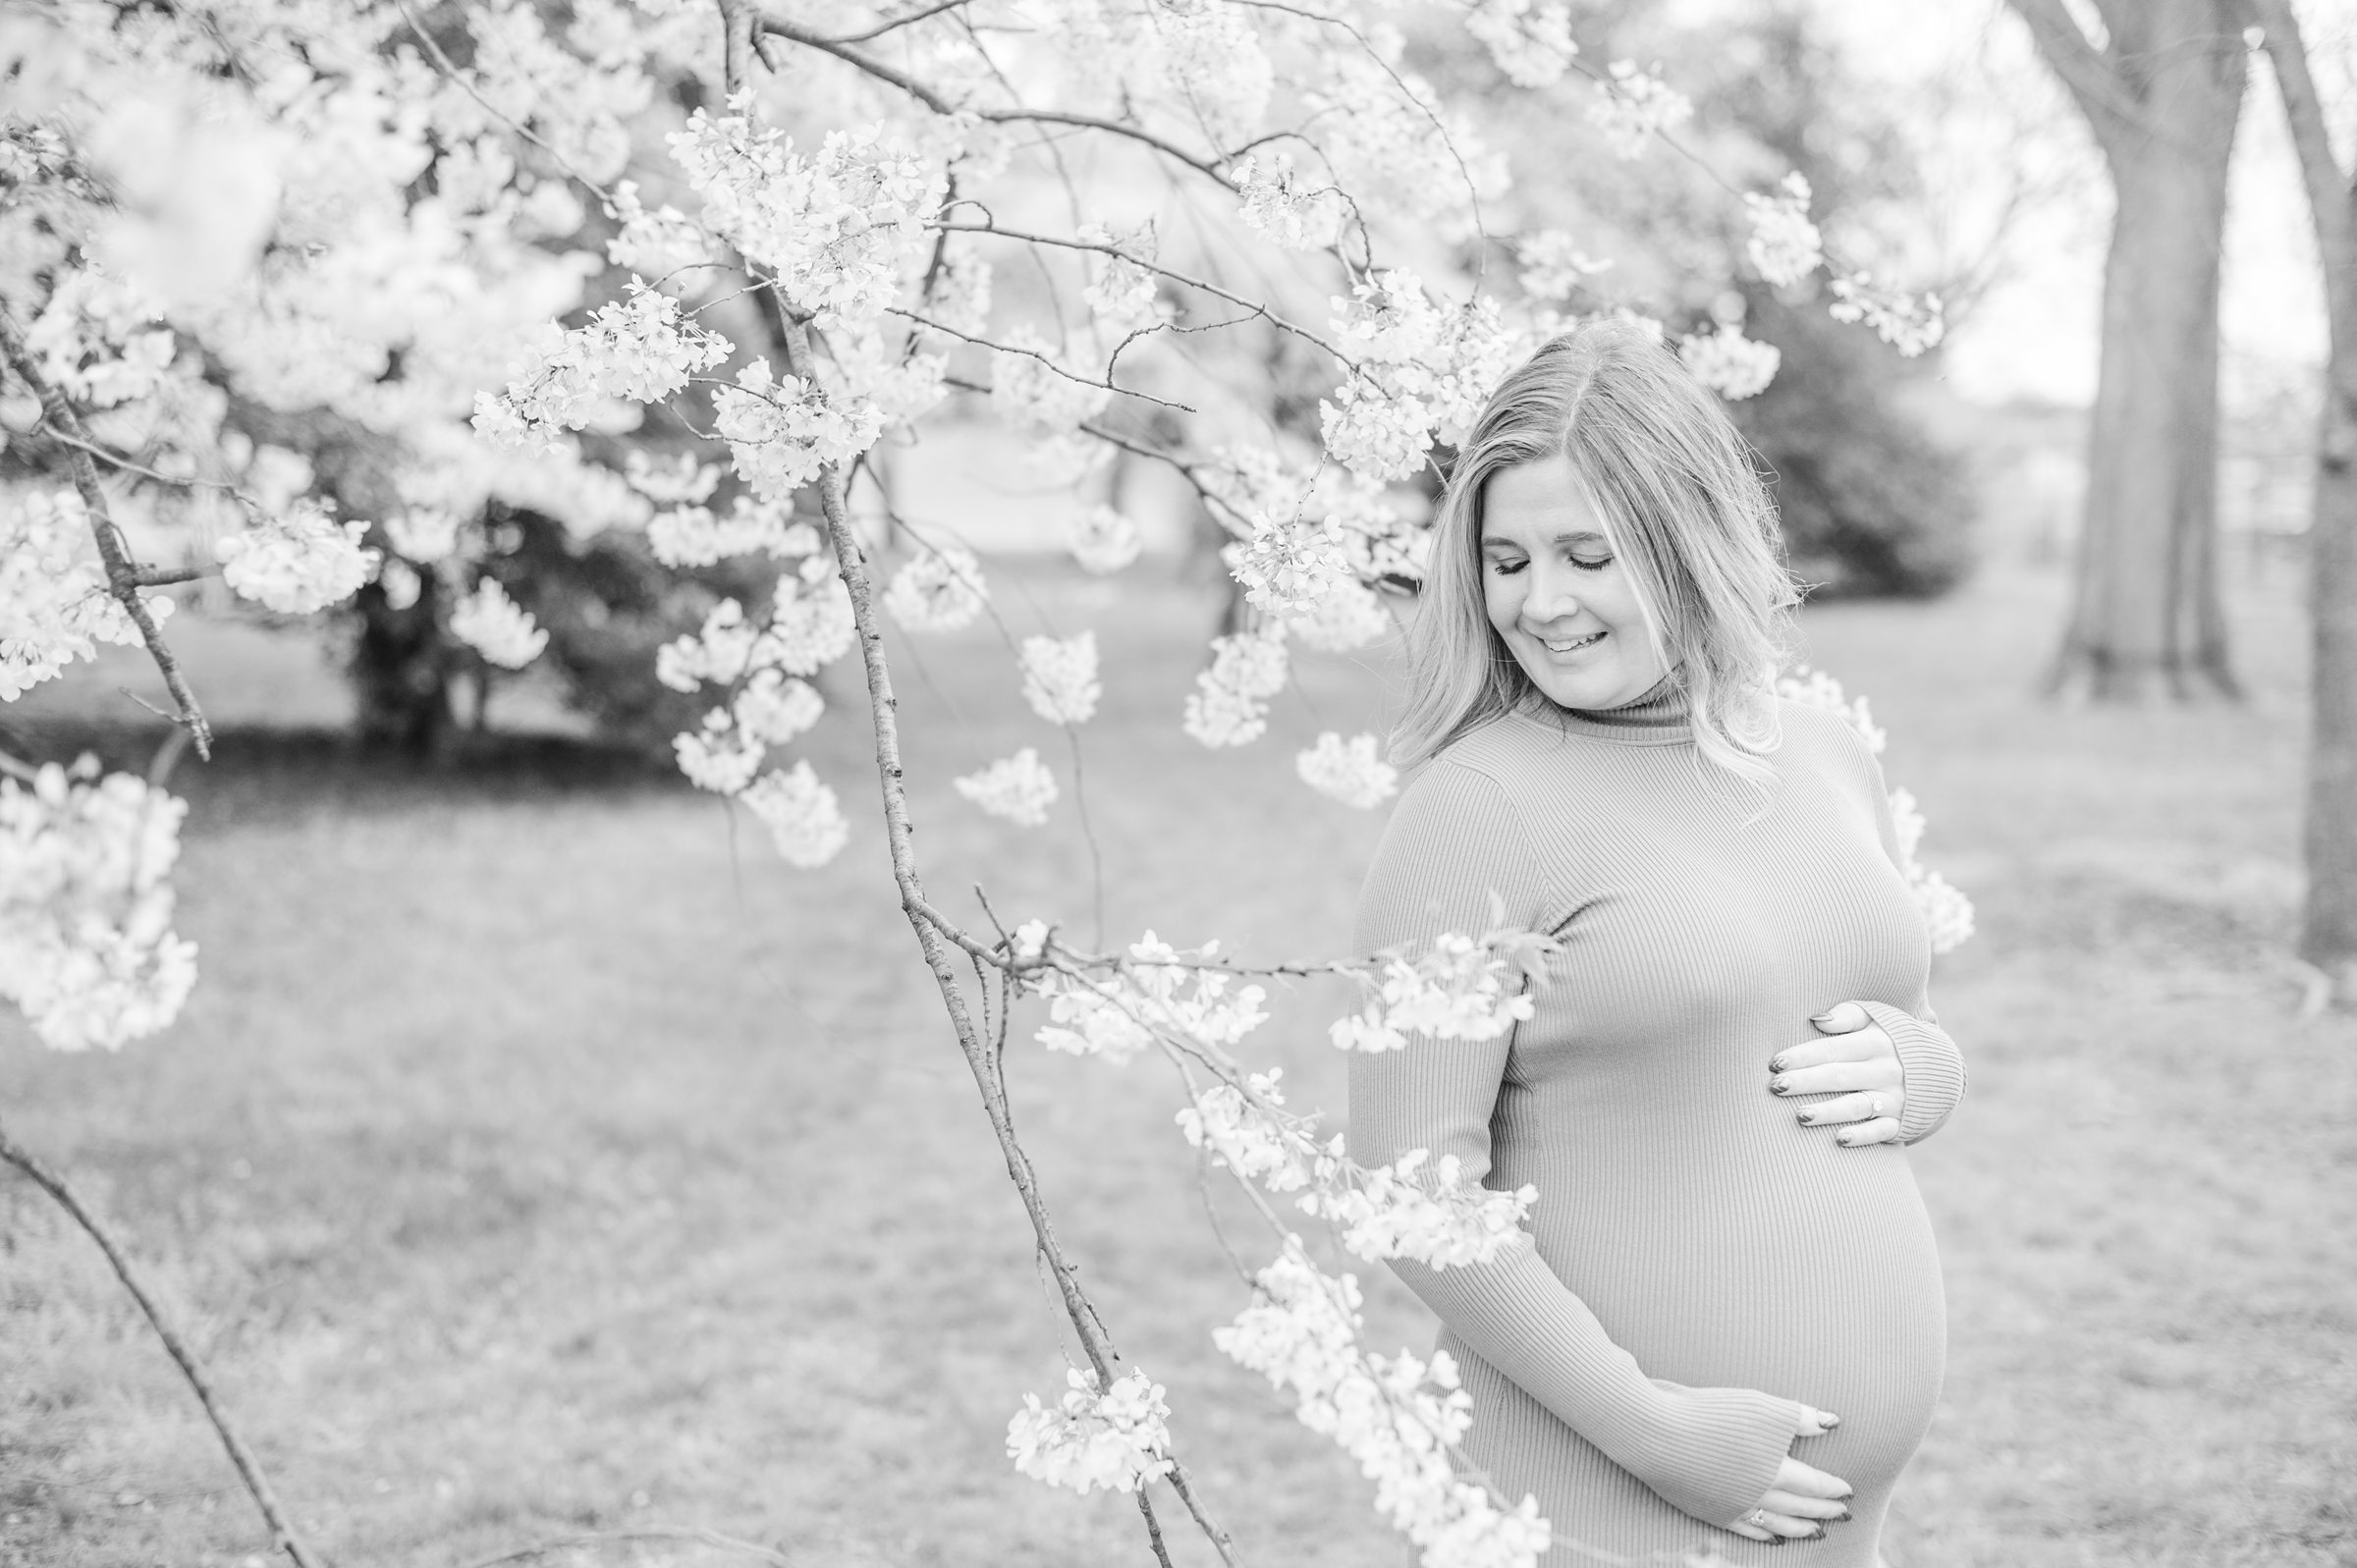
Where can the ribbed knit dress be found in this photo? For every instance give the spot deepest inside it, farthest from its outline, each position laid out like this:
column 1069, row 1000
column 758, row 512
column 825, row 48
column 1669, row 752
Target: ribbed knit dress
column 1702, row 1259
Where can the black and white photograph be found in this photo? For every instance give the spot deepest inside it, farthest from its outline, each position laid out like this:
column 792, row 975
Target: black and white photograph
column 1177, row 784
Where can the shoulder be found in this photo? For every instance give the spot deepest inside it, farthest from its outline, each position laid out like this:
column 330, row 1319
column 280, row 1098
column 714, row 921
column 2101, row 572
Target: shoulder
column 1820, row 742
column 1819, row 734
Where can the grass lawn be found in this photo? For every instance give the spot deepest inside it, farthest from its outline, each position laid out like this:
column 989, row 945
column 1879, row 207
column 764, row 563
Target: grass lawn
column 541, row 1156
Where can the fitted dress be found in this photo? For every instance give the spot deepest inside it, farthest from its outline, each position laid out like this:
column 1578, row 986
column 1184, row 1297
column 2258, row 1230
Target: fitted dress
column 1702, row 1260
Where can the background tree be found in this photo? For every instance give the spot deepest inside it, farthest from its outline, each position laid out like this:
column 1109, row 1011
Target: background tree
column 2329, row 918
column 2161, row 86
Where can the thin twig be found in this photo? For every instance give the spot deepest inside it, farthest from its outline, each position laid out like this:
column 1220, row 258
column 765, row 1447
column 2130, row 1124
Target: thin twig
column 852, row 563
column 1106, row 385
column 442, row 63
column 282, row 1528
column 1252, row 308
column 1145, row 1505
column 128, row 466
column 883, row 27
column 793, row 33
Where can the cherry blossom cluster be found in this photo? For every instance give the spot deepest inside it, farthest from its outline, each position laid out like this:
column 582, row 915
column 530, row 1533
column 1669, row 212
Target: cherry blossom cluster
column 1060, row 678
column 838, row 230
column 1157, row 991
column 1783, row 245
column 1909, row 323
column 1399, row 148
column 1946, row 912
column 1412, row 1209
column 1529, row 39
column 1635, row 106
column 86, row 947
column 1348, row 616
column 1020, row 788
column 1118, row 1438
column 54, row 603
column 1349, row 771
column 1421, row 369
column 782, row 431
column 640, row 350
column 1228, row 706
column 1400, row 1417
column 496, row 627
column 298, row 562
column 1552, row 266
column 99, row 340
column 769, row 704
column 1103, row 540
column 1409, row 1209
column 1282, row 205
column 940, row 591
column 1461, row 988
column 1729, row 364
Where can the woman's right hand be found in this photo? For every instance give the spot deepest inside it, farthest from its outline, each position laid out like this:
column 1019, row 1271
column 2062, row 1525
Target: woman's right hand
column 1802, row 1500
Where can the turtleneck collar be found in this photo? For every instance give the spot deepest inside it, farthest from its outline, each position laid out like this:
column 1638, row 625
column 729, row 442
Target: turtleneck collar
column 1658, row 716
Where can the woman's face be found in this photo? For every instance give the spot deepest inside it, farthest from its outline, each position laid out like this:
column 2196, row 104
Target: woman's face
column 1565, row 606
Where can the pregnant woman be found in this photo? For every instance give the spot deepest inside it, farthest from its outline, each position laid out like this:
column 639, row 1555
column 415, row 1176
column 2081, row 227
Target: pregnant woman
column 1730, row 1331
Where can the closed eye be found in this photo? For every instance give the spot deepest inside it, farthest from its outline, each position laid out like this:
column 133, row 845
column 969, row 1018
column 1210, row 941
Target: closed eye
column 1506, row 569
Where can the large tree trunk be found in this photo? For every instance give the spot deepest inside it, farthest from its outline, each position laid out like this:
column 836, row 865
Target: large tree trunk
column 2163, row 93
column 2146, row 615
column 2328, row 929
column 2328, row 922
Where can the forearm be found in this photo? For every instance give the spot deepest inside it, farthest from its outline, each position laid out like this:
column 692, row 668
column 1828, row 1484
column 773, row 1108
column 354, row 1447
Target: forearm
column 1931, row 1067
column 1709, row 1452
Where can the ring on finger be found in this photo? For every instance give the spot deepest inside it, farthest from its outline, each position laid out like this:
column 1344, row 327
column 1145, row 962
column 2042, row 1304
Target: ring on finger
column 1874, row 1105
column 1758, row 1519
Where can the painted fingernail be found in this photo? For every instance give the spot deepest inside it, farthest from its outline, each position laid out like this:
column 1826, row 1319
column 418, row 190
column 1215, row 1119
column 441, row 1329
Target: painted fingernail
column 1775, row 1064
column 1778, row 1085
column 1844, row 1517
column 1808, row 1119
column 1815, row 1534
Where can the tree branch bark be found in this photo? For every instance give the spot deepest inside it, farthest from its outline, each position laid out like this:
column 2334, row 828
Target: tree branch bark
column 2111, row 110
column 249, row 1469
column 122, row 573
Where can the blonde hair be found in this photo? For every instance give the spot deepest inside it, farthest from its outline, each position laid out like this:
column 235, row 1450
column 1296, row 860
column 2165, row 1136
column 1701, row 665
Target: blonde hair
column 1690, row 521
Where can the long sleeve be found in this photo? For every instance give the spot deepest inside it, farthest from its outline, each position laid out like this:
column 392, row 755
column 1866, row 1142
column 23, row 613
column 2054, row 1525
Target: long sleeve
column 1453, row 838
column 1932, row 1068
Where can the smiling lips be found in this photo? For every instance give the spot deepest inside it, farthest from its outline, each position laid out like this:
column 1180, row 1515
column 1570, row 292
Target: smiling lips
column 1575, row 645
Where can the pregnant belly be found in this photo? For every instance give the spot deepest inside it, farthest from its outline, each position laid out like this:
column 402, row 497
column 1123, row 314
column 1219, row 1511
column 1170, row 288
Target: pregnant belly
column 1744, row 1251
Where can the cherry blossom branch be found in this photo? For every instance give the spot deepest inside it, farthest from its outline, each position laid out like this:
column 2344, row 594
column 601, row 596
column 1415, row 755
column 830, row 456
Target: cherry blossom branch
column 779, row 27
column 1145, row 1505
column 128, row 466
column 282, row 1530
column 442, row 63
column 1096, row 853
column 1252, row 308
column 122, row 573
column 851, row 564
column 1106, row 385
column 899, row 23
column 1472, row 195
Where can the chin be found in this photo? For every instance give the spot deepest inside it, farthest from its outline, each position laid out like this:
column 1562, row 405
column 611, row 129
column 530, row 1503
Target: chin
column 1593, row 691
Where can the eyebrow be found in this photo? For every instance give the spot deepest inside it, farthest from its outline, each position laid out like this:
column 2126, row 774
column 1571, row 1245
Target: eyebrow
column 1575, row 537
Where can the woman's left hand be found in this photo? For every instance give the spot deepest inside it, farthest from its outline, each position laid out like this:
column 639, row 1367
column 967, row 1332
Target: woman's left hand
column 1856, row 1061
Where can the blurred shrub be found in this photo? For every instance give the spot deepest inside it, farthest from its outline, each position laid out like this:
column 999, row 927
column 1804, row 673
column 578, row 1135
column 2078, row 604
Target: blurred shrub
column 1872, row 506
column 606, row 602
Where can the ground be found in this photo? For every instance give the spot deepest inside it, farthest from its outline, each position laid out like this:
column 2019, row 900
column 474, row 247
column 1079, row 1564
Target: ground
column 541, row 1155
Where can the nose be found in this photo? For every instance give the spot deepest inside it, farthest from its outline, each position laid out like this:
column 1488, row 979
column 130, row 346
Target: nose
column 1554, row 596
